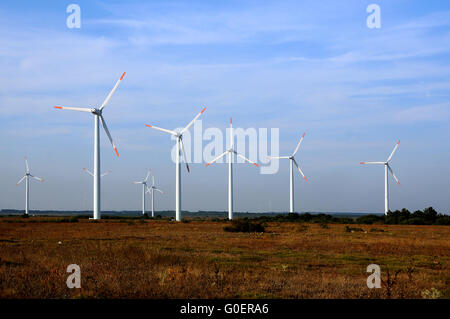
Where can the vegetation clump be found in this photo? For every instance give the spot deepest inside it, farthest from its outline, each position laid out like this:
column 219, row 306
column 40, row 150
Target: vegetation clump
column 353, row 229
column 245, row 226
column 428, row 216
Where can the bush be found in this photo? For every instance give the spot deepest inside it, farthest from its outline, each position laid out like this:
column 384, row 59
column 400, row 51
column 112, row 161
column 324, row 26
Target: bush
column 302, row 228
column 369, row 219
column 245, row 226
column 352, row 229
column 323, row 225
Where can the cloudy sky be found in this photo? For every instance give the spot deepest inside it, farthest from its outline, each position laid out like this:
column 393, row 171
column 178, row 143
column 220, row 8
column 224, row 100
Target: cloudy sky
column 299, row 66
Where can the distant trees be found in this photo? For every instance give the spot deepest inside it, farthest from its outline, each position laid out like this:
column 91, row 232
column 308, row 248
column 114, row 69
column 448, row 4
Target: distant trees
column 428, row 216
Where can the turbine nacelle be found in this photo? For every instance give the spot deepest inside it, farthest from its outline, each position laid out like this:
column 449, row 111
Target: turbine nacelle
column 96, row 111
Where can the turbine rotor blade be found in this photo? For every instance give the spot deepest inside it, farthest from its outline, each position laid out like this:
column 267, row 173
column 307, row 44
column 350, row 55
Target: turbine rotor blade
column 184, row 154
column 299, row 169
column 372, row 163
column 112, row 92
column 245, row 158
column 148, row 174
column 107, row 133
column 20, row 181
column 217, row 158
column 231, row 133
column 37, row 178
column 276, row 157
column 26, row 164
column 88, row 171
column 106, row 173
column 393, row 175
column 162, row 129
column 192, row 122
column 80, row 109
column 298, row 145
column 393, row 151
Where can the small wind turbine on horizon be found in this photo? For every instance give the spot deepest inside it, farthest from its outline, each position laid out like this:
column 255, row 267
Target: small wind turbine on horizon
column 387, row 168
column 146, row 189
column 292, row 162
column 98, row 116
column 179, row 149
column 230, row 153
column 26, row 177
column 151, row 191
column 92, row 174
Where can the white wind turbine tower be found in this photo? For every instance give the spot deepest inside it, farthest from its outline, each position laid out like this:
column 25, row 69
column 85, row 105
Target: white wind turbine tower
column 26, row 177
column 179, row 149
column 97, row 112
column 387, row 168
column 230, row 153
column 152, row 190
column 292, row 162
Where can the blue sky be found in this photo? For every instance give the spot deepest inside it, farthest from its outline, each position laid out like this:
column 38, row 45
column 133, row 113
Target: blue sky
column 300, row 66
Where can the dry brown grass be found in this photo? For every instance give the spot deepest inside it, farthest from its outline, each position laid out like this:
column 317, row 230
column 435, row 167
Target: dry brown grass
column 161, row 259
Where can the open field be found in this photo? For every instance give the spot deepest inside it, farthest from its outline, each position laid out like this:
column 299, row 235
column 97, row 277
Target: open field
column 198, row 259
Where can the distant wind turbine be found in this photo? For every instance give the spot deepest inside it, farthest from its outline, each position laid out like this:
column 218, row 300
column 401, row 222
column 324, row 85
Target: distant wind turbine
column 97, row 112
column 92, row 174
column 146, row 189
column 387, row 168
column 26, row 177
column 152, row 190
column 291, row 172
column 230, row 153
column 180, row 148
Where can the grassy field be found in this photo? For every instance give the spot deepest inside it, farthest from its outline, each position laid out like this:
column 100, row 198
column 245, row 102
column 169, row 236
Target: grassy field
column 198, row 259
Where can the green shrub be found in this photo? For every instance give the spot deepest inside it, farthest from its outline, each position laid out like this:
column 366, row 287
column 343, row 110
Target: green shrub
column 369, row 219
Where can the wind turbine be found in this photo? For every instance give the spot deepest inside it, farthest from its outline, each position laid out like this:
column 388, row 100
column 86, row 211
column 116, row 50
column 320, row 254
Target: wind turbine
column 92, row 174
column 387, row 168
column 230, row 153
column 180, row 148
column 97, row 112
column 26, row 177
column 146, row 189
column 292, row 162
column 152, row 190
